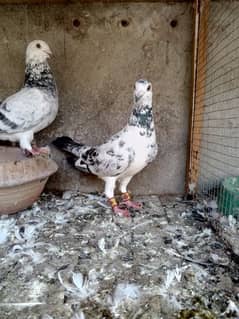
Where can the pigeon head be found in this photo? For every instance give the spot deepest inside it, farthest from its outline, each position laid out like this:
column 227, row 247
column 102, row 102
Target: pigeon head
column 142, row 91
column 37, row 51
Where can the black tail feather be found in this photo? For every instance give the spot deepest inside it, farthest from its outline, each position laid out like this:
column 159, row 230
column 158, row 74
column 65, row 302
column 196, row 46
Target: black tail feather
column 71, row 159
column 66, row 143
column 62, row 142
column 78, row 152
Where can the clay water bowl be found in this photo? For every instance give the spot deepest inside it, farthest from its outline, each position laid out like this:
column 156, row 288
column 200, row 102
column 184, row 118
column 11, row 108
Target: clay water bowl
column 22, row 179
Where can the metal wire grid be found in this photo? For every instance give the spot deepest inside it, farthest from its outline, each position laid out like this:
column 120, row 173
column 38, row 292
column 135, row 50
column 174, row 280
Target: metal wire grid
column 215, row 137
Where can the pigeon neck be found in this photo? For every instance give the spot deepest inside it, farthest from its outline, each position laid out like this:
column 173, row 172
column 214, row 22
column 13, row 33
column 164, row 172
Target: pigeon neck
column 38, row 75
column 142, row 117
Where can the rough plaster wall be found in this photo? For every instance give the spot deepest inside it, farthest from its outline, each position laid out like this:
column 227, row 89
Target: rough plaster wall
column 96, row 64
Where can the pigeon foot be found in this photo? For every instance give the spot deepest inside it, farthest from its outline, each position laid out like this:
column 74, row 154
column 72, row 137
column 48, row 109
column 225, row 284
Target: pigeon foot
column 121, row 211
column 37, row 151
column 131, row 204
column 118, row 210
column 126, row 201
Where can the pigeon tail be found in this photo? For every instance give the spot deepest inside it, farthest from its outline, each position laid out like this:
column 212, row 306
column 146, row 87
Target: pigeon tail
column 67, row 144
column 71, row 160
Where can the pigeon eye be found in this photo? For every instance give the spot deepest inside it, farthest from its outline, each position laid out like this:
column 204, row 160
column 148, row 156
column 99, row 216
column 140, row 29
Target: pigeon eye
column 38, row 45
column 149, row 88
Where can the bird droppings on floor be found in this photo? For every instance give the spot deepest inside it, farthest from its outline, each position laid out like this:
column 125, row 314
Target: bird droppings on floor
column 69, row 257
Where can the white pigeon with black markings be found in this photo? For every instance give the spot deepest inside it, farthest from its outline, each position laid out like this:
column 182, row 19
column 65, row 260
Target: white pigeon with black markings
column 35, row 106
column 124, row 155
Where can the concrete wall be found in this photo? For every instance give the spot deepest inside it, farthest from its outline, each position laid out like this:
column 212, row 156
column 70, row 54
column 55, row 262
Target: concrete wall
column 100, row 50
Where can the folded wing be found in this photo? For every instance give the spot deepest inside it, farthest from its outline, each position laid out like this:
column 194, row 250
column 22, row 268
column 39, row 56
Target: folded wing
column 24, row 110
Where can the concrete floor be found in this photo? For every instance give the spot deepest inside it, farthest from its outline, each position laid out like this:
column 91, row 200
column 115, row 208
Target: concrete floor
column 69, row 257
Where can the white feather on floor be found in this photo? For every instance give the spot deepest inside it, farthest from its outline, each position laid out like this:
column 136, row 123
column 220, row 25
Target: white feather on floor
column 232, row 309
column 78, row 284
column 124, row 293
column 79, row 315
column 87, row 263
column 6, row 228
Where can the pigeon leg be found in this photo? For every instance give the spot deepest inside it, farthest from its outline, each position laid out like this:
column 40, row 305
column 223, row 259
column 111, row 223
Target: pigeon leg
column 37, row 151
column 25, row 142
column 126, row 198
column 109, row 192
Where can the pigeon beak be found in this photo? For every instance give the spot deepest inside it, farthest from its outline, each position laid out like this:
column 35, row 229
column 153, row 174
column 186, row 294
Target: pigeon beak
column 138, row 97
column 48, row 52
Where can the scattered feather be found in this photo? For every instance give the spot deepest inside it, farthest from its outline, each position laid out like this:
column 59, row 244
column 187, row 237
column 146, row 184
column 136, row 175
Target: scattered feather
column 207, row 232
column 101, row 245
column 69, row 287
column 84, row 287
column 37, row 290
column 79, row 315
column 6, row 227
column 232, row 222
column 19, row 251
column 26, row 232
column 81, row 286
column 46, row 316
column 124, row 293
column 172, row 276
column 103, row 204
column 61, row 218
column 232, row 309
column 92, row 252
column 36, row 257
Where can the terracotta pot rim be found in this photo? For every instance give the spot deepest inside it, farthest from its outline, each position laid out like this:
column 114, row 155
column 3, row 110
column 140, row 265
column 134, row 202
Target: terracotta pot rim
column 2, row 186
column 24, row 170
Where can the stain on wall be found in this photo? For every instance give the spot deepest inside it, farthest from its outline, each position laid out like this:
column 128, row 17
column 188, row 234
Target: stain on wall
column 100, row 50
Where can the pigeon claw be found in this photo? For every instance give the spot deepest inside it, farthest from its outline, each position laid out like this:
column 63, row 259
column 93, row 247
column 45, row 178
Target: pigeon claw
column 38, row 151
column 131, row 204
column 118, row 210
column 121, row 211
column 127, row 202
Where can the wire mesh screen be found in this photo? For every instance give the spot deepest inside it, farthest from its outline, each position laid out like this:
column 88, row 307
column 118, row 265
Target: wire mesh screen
column 215, row 128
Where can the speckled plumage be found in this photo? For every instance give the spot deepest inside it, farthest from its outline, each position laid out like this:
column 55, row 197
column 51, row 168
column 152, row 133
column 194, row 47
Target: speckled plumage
column 127, row 152
column 39, row 75
column 35, row 106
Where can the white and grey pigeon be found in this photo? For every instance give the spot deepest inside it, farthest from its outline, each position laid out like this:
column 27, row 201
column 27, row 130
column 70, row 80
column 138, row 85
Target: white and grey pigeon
column 35, row 106
column 125, row 154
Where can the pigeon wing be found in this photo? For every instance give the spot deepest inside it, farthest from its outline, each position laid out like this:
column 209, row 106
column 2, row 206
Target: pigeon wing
column 106, row 160
column 24, row 110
